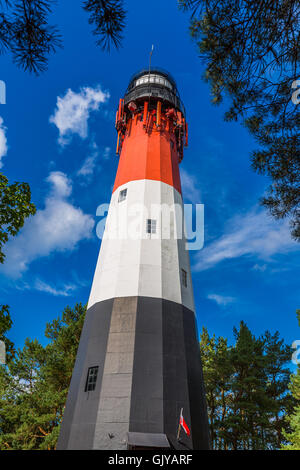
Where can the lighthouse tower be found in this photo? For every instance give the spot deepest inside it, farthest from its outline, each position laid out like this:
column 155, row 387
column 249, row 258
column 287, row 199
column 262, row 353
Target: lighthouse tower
column 138, row 364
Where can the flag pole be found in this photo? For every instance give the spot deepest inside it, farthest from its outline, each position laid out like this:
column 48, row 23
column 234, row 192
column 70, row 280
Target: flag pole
column 179, row 426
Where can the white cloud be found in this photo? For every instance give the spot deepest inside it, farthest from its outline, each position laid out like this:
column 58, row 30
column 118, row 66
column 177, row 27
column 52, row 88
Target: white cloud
column 260, row 267
column 65, row 291
column 221, row 299
column 254, row 234
column 190, row 189
column 89, row 164
column 3, row 141
column 73, row 111
column 107, row 152
column 59, row 227
column 62, row 289
column 61, row 185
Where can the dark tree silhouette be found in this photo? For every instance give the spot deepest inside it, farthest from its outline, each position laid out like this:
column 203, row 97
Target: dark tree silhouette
column 108, row 17
column 26, row 33
column 251, row 52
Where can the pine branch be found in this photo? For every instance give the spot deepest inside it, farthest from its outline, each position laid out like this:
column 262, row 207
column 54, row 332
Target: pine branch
column 32, row 39
column 251, row 53
column 26, row 33
column 108, row 17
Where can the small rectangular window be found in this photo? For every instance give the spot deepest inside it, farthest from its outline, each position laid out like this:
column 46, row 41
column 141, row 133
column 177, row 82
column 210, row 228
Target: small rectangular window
column 122, row 195
column 91, row 379
column 184, row 277
column 151, row 226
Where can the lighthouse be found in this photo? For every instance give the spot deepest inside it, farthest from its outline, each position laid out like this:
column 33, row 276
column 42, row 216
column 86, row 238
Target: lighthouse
column 138, row 367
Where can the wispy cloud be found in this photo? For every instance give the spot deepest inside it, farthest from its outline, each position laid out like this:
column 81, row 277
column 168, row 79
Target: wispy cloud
column 106, row 153
column 89, row 164
column 254, row 234
column 64, row 291
column 73, row 111
column 59, row 227
column 190, row 187
column 260, row 267
column 3, row 141
column 221, row 300
column 57, row 288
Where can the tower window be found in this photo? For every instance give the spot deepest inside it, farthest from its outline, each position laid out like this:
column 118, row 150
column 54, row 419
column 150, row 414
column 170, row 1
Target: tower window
column 151, row 226
column 122, row 195
column 91, row 379
column 184, row 277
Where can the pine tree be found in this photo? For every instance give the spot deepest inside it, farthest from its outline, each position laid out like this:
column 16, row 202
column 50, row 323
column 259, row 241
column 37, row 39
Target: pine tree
column 278, row 356
column 293, row 418
column 248, row 395
column 247, row 389
column 217, row 370
column 34, row 386
column 5, row 326
column 251, row 53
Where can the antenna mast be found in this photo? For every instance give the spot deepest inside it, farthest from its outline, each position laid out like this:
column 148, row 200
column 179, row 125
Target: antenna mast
column 150, row 57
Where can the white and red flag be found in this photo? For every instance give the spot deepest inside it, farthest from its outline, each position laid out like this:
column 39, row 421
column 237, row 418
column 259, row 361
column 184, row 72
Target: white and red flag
column 183, row 424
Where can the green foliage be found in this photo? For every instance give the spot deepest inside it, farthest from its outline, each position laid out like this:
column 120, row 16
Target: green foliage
column 293, row 419
column 247, row 389
column 15, row 207
column 34, row 385
column 26, row 33
column 217, row 371
column 293, row 437
column 5, row 326
column 251, row 52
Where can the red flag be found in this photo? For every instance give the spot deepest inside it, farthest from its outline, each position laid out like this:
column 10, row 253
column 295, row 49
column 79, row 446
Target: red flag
column 184, row 425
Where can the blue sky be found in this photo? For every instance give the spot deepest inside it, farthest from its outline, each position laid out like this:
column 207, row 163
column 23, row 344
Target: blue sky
column 249, row 267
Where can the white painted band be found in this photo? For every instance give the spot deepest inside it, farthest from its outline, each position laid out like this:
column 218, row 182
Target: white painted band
column 132, row 262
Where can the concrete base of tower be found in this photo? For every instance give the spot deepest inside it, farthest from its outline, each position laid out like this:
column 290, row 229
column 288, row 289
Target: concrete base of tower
column 147, row 356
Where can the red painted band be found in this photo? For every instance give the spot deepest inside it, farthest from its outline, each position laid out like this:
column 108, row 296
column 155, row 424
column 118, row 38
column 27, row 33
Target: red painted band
column 149, row 155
